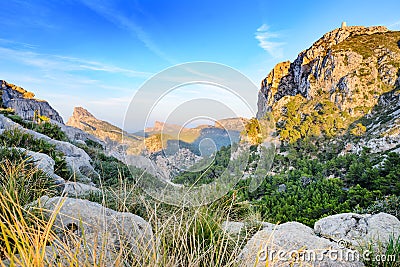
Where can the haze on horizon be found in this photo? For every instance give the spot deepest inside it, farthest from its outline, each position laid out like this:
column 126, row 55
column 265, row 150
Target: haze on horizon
column 97, row 54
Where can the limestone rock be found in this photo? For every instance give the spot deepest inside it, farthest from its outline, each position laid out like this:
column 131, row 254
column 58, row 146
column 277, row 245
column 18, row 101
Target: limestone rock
column 383, row 127
column 76, row 189
column 115, row 139
column 77, row 159
column 349, row 67
column 293, row 244
column 45, row 163
column 87, row 227
column 77, row 135
column 232, row 124
column 23, row 103
column 359, row 230
column 233, row 228
column 67, row 188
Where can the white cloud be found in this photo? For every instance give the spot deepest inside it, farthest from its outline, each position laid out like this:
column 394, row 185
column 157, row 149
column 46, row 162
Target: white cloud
column 64, row 63
column 266, row 40
column 395, row 26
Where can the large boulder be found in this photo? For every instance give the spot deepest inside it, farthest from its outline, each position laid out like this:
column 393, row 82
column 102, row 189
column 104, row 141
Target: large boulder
column 44, row 163
column 294, row 244
column 67, row 188
column 97, row 235
column 359, row 230
column 77, row 159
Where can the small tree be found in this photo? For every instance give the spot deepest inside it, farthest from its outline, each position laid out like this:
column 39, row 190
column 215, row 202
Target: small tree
column 358, row 130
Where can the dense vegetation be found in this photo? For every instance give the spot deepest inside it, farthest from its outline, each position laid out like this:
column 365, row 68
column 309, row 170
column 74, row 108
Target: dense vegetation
column 316, row 119
column 215, row 169
column 307, row 188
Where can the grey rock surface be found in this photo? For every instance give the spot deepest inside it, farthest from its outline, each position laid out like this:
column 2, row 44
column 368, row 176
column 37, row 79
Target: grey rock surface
column 359, row 230
column 233, row 228
column 293, row 244
column 87, row 227
column 77, row 159
column 12, row 97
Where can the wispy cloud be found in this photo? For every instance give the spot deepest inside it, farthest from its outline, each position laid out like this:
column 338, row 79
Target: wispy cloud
column 64, row 63
column 115, row 16
column 7, row 42
column 395, row 25
column 267, row 41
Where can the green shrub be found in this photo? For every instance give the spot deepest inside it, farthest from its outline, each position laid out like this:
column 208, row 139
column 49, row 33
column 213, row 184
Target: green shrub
column 389, row 204
column 51, row 130
column 18, row 138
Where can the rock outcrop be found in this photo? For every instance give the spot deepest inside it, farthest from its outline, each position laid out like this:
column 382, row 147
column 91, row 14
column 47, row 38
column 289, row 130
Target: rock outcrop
column 382, row 127
column 344, row 72
column 115, row 139
column 335, row 241
column 293, row 244
column 91, row 229
column 232, row 124
column 359, row 230
column 23, row 103
column 77, row 159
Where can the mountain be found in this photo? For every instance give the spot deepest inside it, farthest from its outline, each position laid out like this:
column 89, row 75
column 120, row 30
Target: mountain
column 235, row 124
column 115, row 138
column 24, row 104
column 171, row 147
column 343, row 77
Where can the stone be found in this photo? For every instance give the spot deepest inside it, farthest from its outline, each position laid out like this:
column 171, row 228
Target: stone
column 45, row 163
column 89, row 227
column 16, row 98
column 76, row 189
column 359, row 230
column 77, row 135
column 77, row 159
column 282, row 188
column 294, row 244
column 323, row 67
column 67, row 188
column 233, row 228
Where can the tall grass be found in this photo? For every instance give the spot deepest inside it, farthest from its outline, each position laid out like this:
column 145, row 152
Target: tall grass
column 382, row 254
column 182, row 236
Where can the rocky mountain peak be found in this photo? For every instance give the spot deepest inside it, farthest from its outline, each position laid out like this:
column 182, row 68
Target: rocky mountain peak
column 80, row 112
column 343, row 73
column 336, row 36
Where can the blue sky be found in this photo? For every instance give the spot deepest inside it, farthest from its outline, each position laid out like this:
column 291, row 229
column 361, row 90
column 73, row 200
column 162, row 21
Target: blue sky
column 96, row 54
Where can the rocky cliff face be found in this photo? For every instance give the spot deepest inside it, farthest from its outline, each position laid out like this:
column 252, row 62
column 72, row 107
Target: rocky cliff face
column 348, row 69
column 24, row 104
